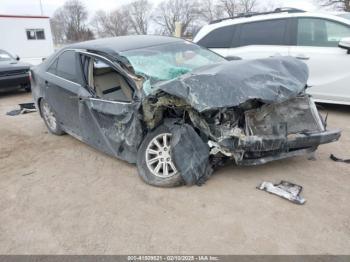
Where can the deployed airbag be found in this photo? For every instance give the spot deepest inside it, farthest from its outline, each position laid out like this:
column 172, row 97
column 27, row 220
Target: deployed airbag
column 190, row 154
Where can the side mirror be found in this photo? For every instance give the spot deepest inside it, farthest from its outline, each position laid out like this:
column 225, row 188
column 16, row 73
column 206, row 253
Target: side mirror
column 17, row 58
column 233, row 58
column 345, row 44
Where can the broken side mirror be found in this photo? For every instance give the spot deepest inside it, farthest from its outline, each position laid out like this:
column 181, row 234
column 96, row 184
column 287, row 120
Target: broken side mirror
column 233, row 58
column 345, row 44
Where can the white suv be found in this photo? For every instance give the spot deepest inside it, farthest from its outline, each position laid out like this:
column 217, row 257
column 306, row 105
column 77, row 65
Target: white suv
column 312, row 37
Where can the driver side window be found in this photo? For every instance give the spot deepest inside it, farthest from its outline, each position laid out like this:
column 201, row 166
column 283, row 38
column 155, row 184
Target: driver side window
column 106, row 82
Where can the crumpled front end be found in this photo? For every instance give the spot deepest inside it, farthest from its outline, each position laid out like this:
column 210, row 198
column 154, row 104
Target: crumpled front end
column 267, row 132
column 250, row 111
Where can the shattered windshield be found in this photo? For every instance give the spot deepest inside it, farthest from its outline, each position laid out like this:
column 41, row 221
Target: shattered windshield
column 169, row 61
column 4, row 56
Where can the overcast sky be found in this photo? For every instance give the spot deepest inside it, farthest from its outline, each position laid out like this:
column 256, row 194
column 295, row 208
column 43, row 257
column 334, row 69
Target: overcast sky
column 32, row 7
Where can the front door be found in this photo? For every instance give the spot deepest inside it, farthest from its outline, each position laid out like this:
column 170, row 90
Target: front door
column 63, row 83
column 317, row 45
column 109, row 118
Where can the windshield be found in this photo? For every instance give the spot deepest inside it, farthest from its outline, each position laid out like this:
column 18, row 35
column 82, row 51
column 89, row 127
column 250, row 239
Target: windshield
column 4, row 56
column 165, row 62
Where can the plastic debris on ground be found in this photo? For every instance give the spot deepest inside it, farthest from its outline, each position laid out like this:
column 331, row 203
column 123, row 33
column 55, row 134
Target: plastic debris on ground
column 336, row 159
column 284, row 190
column 24, row 109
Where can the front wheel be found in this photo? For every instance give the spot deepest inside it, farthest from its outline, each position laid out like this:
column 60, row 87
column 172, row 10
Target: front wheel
column 154, row 162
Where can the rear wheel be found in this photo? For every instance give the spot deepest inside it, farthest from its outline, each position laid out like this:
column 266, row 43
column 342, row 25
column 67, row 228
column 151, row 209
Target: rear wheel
column 50, row 119
column 154, row 162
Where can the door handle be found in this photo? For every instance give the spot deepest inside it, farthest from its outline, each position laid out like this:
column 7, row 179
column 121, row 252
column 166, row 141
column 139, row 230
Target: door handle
column 302, row 57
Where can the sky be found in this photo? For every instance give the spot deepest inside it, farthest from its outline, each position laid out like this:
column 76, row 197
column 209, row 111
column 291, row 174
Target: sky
column 32, row 7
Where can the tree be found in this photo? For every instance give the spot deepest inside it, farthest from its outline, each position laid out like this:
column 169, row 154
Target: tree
column 139, row 15
column 234, row 7
column 57, row 28
column 247, row 6
column 343, row 5
column 229, row 7
column 116, row 23
column 71, row 21
column 169, row 12
column 210, row 10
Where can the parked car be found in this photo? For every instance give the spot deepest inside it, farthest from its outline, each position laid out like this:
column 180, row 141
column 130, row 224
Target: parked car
column 176, row 109
column 13, row 74
column 310, row 37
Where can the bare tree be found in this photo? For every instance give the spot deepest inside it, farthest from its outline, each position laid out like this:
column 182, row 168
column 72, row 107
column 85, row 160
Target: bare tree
column 229, row 7
column 71, row 20
column 139, row 13
column 234, row 7
column 116, row 23
column 247, row 6
column 169, row 12
column 210, row 10
column 343, row 5
column 58, row 29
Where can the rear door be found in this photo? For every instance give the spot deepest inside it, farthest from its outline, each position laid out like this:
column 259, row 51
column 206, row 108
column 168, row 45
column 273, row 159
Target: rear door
column 62, row 85
column 261, row 39
column 219, row 40
column 316, row 43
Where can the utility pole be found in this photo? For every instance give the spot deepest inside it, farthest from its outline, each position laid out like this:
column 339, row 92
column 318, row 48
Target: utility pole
column 178, row 29
column 41, row 8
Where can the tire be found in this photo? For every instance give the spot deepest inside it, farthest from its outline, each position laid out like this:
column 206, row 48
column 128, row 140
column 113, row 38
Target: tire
column 50, row 119
column 28, row 88
column 147, row 171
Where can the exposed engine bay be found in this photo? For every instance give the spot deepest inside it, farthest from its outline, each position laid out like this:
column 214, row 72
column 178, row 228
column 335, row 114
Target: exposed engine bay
column 249, row 132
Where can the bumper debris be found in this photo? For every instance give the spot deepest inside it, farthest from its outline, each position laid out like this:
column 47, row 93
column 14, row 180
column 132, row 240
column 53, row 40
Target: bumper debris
column 284, row 190
column 24, row 109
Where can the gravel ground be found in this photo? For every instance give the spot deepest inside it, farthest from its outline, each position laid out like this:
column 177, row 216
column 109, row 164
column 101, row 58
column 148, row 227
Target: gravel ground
column 60, row 196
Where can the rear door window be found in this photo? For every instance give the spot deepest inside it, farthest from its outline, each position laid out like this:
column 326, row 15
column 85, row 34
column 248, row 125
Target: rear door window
column 320, row 32
column 67, row 67
column 271, row 32
column 219, row 38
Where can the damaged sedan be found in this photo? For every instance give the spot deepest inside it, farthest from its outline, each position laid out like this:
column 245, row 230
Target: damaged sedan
column 175, row 109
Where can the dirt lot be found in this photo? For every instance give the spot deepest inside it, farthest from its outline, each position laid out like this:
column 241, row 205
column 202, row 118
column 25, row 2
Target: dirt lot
column 60, row 196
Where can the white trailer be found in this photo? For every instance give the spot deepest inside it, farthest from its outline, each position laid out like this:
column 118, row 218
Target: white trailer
column 29, row 37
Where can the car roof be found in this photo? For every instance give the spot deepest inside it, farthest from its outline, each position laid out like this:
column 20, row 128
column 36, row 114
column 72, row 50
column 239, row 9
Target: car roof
column 256, row 18
column 124, row 43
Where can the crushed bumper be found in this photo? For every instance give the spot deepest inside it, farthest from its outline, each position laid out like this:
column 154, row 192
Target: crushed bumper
column 259, row 150
column 301, row 140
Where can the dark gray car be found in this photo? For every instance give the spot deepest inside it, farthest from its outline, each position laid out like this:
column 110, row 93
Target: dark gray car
column 13, row 74
column 175, row 109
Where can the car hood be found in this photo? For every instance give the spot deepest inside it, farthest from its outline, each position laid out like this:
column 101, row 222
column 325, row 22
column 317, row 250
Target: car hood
column 232, row 83
column 13, row 65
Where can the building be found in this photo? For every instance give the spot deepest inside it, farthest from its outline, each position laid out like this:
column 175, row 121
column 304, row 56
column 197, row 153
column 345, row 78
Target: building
column 29, row 37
